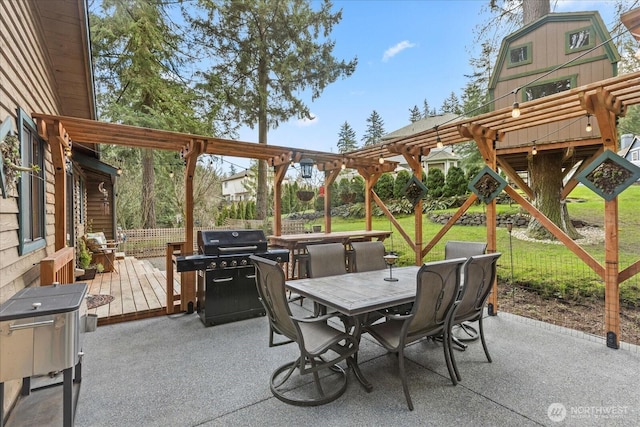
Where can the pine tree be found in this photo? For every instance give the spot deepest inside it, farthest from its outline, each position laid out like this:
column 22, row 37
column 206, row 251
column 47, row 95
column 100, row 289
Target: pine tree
column 375, row 129
column 264, row 53
column 451, row 104
column 414, row 114
column 346, row 139
column 426, row 112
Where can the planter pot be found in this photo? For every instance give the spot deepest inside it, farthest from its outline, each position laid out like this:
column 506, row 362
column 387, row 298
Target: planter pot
column 89, row 274
column 317, row 228
column 304, row 195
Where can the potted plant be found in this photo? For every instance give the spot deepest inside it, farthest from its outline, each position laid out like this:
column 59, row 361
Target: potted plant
column 84, row 261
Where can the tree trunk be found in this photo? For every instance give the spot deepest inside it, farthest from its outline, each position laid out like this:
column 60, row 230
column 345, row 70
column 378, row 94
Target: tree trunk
column 148, row 190
column 546, row 176
column 534, row 9
column 546, row 168
column 263, row 126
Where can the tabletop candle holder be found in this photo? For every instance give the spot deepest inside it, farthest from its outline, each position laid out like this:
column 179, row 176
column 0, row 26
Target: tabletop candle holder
column 391, row 259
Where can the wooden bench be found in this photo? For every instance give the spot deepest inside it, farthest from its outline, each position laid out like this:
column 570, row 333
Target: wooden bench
column 58, row 267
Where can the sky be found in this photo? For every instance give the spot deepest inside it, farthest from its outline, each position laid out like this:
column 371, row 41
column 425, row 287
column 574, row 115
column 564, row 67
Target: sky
column 408, row 51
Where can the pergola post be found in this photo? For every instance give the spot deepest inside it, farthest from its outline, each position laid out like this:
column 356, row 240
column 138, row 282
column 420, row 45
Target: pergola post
column 413, row 160
column 485, row 139
column 58, row 141
column 605, row 107
column 329, row 178
column 188, row 279
column 280, row 173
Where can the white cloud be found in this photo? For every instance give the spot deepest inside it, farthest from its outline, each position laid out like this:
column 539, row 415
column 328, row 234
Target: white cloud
column 307, row 122
column 394, row 50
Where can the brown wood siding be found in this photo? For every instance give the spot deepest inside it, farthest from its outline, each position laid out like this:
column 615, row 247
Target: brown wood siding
column 548, row 50
column 100, row 219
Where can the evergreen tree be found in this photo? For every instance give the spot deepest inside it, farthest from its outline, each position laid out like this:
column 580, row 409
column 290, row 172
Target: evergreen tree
column 426, row 111
column 358, row 187
column 435, row 182
column 414, row 114
column 138, row 73
column 346, row 139
column 264, row 53
column 402, row 178
column 384, row 186
column 375, row 129
column 456, row 182
column 451, row 104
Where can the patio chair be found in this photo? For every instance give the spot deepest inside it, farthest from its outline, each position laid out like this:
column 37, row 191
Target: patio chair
column 316, row 339
column 479, row 274
column 327, row 259
column 103, row 251
column 368, row 256
column 435, row 303
column 463, row 249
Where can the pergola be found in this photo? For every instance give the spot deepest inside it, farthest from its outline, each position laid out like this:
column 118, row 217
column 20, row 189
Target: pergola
column 605, row 101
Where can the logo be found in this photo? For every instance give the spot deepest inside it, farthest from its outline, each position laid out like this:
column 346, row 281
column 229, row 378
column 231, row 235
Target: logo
column 557, row 412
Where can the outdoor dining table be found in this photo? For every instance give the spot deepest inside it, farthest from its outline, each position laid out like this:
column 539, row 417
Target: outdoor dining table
column 297, row 243
column 357, row 294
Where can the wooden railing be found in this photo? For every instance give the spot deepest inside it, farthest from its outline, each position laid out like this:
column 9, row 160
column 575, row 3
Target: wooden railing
column 172, row 248
column 59, row 267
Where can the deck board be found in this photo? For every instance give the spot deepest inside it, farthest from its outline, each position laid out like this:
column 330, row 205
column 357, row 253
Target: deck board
column 138, row 288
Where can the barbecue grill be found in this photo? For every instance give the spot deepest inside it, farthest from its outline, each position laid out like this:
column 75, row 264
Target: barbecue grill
column 226, row 287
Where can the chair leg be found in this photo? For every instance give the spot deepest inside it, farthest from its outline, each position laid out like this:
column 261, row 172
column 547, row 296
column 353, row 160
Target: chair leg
column 484, row 342
column 448, row 356
column 453, row 360
column 403, row 377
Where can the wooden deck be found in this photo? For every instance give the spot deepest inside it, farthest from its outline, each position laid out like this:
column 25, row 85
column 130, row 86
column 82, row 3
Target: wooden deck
column 138, row 289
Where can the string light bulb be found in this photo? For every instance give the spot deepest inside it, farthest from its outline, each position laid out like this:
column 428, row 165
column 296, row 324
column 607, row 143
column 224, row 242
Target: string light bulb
column 438, row 140
column 534, row 150
column 589, row 128
column 171, row 174
column 119, row 171
column 381, row 159
column 515, row 110
column 343, row 166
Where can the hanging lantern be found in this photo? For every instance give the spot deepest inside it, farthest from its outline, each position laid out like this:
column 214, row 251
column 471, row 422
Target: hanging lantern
column 306, row 167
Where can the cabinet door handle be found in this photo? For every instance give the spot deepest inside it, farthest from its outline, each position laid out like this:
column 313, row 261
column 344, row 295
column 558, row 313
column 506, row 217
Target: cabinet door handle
column 223, row 279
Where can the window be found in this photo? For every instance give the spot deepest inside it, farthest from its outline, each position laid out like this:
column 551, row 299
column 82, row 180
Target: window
column 577, row 40
column 31, row 187
column 548, row 88
column 519, row 55
column 634, row 155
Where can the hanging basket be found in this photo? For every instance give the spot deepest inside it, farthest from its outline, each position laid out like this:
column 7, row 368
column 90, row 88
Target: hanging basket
column 305, row 195
column 348, row 197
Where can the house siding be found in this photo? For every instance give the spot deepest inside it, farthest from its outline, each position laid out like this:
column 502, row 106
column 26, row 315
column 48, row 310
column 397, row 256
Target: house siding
column 547, row 43
column 27, row 83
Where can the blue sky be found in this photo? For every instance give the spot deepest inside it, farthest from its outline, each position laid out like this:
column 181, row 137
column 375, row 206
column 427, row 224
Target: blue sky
column 408, row 51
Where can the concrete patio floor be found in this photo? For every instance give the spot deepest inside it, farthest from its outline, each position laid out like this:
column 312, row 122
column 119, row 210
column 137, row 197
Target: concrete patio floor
column 172, row 371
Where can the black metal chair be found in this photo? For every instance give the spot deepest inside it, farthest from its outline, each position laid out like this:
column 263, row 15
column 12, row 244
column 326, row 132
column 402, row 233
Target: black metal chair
column 316, row 339
column 436, row 299
column 479, row 274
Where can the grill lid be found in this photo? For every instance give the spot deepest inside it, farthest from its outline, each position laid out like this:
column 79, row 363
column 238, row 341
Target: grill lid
column 217, row 242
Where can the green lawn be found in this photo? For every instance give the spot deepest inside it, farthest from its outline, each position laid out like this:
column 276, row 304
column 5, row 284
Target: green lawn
column 549, row 268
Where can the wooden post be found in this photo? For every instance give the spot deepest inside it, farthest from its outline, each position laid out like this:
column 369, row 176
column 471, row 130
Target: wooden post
column 329, row 178
column 188, row 279
column 58, row 142
column 611, row 283
column 281, row 171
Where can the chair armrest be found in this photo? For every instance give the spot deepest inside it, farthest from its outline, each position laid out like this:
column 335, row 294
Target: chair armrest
column 395, row 316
